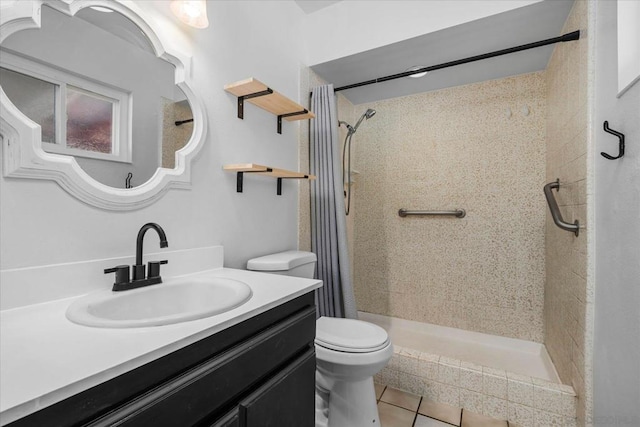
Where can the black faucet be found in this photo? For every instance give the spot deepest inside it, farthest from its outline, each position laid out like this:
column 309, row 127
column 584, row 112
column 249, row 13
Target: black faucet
column 139, row 278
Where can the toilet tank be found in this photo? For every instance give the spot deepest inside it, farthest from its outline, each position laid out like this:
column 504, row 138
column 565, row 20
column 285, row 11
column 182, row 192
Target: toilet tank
column 289, row 263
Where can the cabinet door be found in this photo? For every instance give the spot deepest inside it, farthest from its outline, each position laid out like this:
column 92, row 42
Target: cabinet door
column 287, row 399
column 232, row 419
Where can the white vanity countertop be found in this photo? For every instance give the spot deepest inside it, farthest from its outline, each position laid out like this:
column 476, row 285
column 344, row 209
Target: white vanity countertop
column 45, row 358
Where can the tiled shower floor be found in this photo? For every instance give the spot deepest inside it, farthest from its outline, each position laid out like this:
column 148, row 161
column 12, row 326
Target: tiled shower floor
column 398, row 408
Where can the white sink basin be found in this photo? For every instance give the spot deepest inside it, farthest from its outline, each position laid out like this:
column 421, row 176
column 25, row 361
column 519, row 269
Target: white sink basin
column 176, row 301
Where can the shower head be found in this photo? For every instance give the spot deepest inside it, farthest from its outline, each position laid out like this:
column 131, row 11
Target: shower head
column 367, row 115
column 370, row 113
column 347, row 143
column 352, row 129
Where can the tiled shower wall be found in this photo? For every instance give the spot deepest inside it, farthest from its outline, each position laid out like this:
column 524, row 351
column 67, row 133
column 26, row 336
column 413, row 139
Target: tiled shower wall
column 174, row 137
column 304, row 203
column 480, row 147
column 568, row 301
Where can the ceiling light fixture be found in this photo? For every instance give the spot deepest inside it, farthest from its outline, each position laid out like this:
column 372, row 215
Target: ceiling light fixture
column 191, row 12
column 101, row 9
column 415, row 68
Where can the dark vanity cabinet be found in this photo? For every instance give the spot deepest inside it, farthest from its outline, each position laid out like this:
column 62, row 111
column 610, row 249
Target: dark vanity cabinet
column 260, row 372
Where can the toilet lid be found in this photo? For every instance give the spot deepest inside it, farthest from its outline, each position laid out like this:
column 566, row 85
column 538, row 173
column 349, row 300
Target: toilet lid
column 350, row 335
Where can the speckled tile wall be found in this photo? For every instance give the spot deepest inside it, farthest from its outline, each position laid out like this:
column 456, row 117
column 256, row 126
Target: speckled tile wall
column 304, row 203
column 568, row 300
column 480, row 147
column 174, row 137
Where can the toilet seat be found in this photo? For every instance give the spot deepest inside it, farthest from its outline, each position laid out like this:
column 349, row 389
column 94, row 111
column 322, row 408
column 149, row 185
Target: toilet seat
column 350, row 335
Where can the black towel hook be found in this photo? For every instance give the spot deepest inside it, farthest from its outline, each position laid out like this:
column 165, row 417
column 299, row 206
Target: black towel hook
column 621, row 144
column 127, row 181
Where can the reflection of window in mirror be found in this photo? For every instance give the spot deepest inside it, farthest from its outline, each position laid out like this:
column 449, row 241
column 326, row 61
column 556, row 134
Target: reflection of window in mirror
column 90, row 123
column 35, row 98
column 78, row 117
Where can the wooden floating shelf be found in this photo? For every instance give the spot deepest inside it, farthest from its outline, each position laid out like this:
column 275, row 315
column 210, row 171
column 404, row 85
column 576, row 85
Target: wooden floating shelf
column 280, row 174
column 267, row 170
column 257, row 93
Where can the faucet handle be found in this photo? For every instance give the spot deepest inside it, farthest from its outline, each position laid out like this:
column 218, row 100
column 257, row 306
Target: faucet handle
column 154, row 268
column 122, row 274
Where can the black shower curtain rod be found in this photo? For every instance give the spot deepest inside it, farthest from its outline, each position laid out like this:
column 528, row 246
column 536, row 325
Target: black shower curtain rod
column 575, row 35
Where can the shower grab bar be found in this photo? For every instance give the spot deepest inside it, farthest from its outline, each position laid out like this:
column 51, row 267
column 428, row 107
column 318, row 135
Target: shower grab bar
column 458, row 213
column 555, row 210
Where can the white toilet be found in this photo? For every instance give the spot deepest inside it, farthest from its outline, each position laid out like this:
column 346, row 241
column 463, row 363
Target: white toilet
column 348, row 353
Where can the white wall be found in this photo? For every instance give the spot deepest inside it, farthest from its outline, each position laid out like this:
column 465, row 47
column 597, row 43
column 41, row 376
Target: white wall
column 617, row 198
column 41, row 224
column 353, row 26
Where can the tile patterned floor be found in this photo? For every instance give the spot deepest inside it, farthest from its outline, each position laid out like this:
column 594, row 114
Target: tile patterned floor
column 401, row 409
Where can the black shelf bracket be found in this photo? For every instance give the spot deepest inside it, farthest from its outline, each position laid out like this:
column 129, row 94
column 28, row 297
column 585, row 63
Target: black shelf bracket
column 240, row 178
column 241, row 99
column 279, row 189
column 297, row 113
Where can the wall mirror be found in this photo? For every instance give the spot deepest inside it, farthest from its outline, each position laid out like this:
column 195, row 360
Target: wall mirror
column 92, row 99
column 628, row 44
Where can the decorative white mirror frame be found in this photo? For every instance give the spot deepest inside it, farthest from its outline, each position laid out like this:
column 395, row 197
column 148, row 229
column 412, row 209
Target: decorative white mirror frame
column 23, row 156
column 628, row 45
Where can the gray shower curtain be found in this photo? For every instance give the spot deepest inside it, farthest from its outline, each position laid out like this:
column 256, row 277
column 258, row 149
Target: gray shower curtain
column 328, row 220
